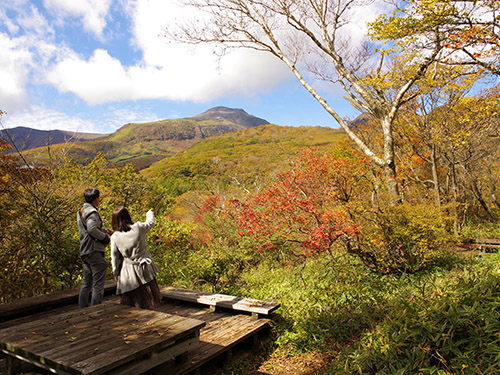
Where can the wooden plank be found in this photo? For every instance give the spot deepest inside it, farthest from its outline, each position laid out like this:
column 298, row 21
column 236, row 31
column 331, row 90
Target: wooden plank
column 134, row 346
column 46, row 328
column 15, row 357
column 220, row 300
column 32, row 305
column 144, row 364
column 231, row 333
column 45, row 314
column 144, row 331
column 487, row 241
column 87, row 336
column 223, row 330
column 13, row 365
column 19, row 358
column 487, row 246
column 133, row 337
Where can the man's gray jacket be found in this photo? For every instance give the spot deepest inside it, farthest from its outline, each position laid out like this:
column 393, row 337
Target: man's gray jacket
column 91, row 225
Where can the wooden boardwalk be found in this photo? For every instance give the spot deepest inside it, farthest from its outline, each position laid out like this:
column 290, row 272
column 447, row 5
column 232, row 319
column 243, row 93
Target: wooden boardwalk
column 226, row 321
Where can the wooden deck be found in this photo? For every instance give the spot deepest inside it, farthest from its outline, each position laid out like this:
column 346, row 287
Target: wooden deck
column 227, row 324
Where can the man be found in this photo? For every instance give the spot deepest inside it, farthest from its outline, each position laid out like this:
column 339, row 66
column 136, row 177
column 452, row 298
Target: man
column 93, row 241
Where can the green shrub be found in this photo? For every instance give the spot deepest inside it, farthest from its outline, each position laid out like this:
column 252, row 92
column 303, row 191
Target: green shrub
column 186, row 258
column 169, row 242
column 324, row 302
column 216, row 267
column 401, row 238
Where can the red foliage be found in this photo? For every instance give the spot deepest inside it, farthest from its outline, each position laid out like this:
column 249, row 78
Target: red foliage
column 210, row 203
column 306, row 205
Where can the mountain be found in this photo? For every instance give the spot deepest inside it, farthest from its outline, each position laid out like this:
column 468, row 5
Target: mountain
column 236, row 116
column 27, row 138
column 145, row 143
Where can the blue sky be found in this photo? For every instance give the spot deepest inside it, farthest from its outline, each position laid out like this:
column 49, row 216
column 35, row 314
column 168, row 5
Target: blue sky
column 95, row 65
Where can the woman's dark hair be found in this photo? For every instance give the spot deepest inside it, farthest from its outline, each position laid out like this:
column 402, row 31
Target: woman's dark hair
column 91, row 195
column 121, row 220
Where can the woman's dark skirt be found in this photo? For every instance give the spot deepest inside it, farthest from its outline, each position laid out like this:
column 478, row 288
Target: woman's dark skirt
column 147, row 296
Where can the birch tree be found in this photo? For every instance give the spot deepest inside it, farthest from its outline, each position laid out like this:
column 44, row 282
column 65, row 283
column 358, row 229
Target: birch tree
column 310, row 38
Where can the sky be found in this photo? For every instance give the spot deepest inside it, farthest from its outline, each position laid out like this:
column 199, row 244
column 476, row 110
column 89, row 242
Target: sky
column 94, row 65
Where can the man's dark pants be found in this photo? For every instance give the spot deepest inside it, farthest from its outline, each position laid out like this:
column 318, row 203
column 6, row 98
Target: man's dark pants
column 94, row 276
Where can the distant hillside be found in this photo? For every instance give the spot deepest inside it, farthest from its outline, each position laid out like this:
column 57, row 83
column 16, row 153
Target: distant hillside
column 234, row 163
column 246, row 154
column 145, row 143
column 28, row 138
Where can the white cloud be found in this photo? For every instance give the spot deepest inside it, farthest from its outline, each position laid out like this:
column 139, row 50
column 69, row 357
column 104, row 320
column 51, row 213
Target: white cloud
column 99, row 80
column 359, row 17
column 167, row 70
column 26, row 50
column 38, row 117
column 35, row 53
column 15, row 61
column 49, row 119
column 118, row 117
column 92, row 12
column 5, row 20
column 33, row 21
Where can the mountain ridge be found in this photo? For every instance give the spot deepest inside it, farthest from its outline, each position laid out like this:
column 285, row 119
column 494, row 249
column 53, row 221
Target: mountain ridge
column 25, row 138
column 146, row 143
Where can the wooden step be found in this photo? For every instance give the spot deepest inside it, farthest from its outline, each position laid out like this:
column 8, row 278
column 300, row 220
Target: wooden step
column 217, row 340
column 487, row 241
column 220, row 300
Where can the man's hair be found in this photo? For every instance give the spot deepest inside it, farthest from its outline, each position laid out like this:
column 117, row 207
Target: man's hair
column 91, row 195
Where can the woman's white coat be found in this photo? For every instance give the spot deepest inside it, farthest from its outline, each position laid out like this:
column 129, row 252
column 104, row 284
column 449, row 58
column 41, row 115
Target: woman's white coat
column 130, row 258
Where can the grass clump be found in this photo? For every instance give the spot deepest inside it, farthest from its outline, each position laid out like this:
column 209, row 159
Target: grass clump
column 444, row 321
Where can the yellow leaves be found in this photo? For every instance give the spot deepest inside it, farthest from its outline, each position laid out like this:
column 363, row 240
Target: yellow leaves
column 443, row 24
column 382, row 82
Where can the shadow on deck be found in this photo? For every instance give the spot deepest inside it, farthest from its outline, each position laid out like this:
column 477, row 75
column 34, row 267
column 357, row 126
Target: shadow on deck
column 229, row 323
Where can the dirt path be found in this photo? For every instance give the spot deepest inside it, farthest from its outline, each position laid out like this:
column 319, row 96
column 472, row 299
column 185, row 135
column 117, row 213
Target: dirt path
column 311, row 363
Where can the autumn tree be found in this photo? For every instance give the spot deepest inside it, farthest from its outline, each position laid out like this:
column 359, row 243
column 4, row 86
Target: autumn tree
column 308, row 208
column 126, row 187
column 309, row 36
column 39, row 246
column 38, row 205
column 447, row 142
column 468, row 32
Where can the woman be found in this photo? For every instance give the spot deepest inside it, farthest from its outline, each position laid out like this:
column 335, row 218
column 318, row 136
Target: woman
column 133, row 268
